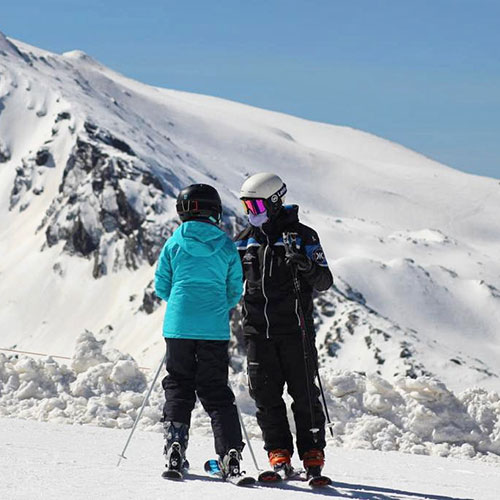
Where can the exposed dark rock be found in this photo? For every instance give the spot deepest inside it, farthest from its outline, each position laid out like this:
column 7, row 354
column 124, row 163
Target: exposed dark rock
column 377, row 331
column 85, row 157
column 149, row 179
column 333, row 348
column 22, row 183
column 92, row 182
column 352, row 294
column 107, row 138
column 352, row 322
column 90, row 128
column 380, row 360
column 64, row 115
column 129, row 221
column 150, row 301
column 131, row 252
column 326, row 307
column 405, row 352
column 4, row 152
column 45, row 158
column 79, row 241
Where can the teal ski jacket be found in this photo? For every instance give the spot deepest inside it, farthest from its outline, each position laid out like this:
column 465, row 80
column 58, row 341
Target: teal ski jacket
column 199, row 275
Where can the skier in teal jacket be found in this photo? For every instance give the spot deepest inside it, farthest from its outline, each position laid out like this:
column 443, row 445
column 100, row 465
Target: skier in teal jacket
column 199, row 275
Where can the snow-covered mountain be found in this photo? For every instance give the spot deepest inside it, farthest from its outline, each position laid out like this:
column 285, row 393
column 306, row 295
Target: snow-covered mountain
column 91, row 161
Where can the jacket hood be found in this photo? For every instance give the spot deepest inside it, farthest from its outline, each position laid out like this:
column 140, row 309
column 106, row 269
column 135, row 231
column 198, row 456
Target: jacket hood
column 199, row 239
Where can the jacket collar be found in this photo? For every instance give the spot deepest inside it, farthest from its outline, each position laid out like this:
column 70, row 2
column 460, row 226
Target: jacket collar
column 273, row 229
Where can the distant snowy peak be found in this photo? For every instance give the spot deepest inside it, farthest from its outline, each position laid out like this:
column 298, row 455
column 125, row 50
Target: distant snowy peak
column 80, row 56
column 7, row 47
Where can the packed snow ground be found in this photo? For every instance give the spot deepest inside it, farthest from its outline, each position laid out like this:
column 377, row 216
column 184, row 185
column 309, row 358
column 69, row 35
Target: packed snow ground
column 46, row 460
column 105, row 387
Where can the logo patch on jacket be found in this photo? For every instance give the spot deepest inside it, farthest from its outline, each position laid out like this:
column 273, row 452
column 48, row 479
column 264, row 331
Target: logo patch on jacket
column 248, row 257
column 318, row 256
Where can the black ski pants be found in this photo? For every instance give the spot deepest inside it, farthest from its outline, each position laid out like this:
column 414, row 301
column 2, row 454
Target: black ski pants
column 272, row 363
column 200, row 367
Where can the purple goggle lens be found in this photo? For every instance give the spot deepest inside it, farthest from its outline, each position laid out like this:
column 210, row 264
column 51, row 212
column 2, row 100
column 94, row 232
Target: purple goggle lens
column 255, row 207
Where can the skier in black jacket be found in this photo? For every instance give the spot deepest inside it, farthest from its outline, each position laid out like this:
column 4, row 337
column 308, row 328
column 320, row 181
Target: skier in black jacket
column 271, row 321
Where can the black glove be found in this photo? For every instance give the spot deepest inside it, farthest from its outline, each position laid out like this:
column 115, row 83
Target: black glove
column 294, row 258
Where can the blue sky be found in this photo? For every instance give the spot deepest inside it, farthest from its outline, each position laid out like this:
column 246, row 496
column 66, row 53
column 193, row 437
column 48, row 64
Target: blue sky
column 424, row 73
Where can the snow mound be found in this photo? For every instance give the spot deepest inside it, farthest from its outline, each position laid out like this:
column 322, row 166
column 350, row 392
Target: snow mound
column 106, row 388
column 413, row 415
column 103, row 388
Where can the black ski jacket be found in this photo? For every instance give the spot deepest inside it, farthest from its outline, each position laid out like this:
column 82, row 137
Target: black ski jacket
column 270, row 305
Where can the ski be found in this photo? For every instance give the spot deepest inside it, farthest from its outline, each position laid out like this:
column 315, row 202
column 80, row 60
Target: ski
column 213, row 468
column 270, row 477
column 177, row 465
column 173, row 474
column 281, row 474
column 319, row 481
column 176, row 474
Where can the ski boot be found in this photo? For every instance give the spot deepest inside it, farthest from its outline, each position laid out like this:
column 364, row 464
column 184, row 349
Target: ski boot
column 176, row 440
column 280, row 461
column 230, row 463
column 313, row 461
column 230, row 466
column 281, row 467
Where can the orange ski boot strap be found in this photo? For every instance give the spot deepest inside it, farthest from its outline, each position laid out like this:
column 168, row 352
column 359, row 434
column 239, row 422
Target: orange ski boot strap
column 278, row 457
column 314, row 458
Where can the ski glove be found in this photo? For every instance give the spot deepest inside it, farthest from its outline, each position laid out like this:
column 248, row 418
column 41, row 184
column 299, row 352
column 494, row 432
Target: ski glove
column 294, row 258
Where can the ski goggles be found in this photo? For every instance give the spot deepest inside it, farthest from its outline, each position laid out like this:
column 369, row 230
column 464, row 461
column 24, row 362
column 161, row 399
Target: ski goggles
column 254, row 206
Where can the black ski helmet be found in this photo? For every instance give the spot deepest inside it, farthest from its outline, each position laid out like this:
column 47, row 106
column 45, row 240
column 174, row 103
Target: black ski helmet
column 199, row 201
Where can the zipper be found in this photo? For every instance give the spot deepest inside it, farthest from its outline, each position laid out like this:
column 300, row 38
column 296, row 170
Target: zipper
column 245, row 312
column 264, row 291
column 297, row 312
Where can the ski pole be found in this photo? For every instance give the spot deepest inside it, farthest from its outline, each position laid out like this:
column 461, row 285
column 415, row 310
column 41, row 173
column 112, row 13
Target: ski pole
column 240, row 417
column 287, row 237
column 311, row 345
column 122, row 455
column 314, row 430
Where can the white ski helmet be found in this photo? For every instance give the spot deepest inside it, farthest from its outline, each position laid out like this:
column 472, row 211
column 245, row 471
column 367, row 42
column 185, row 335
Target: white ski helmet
column 266, row 186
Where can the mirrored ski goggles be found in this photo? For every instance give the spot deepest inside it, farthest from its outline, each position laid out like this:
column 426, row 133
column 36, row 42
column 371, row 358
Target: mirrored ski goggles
column 254, row 206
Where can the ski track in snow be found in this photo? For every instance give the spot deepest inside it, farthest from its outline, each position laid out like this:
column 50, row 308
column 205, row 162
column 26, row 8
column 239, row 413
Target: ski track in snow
column 46, row 460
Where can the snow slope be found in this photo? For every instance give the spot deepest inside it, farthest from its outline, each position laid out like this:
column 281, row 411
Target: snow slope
column 42, row 460
column 90, row 162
